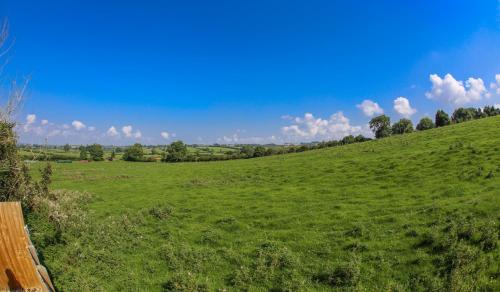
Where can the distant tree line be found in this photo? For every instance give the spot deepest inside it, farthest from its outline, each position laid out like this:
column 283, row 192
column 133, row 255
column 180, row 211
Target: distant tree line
column 94, row 152
column 178, row 151
column 381, row 125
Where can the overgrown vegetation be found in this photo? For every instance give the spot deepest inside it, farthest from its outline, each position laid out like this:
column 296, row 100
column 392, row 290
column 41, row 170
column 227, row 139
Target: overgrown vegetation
column 415, row 212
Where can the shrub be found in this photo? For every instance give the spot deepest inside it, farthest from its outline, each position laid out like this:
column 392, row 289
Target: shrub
column 381, row 126
column 345, row 275
column 134, row 153
column 442, row 119
column 402, row 126
column 425, row 124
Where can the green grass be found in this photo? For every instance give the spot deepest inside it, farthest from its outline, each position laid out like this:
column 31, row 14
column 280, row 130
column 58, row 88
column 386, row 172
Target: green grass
column 411, row 212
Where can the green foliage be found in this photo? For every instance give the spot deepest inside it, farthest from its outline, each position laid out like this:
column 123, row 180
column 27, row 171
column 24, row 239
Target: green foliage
column 425, row 124
column 414, row 212
column 134, row 153
column 83, row 153
column 402, row 126
column 67, row 148
column 96, row 152
column 461, row 115
column 175, row 152
column 381, row 126
column 442, row 119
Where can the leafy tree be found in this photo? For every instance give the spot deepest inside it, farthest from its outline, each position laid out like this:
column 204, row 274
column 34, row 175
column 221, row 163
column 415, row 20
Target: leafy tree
column 479, row 114
column 259, row 151
column 83, row 153
column 461, row 114
column 425, row 124
column 118, row 150
column 113, row 155
column 96, row 152
column 175, row 152
column 402, row 126
column 381, row 126
column 360, row 138
column 491, row 111
column 348, row 139
column 247, row 151
column 442, row 119
column 67, row 148
column 134, row 153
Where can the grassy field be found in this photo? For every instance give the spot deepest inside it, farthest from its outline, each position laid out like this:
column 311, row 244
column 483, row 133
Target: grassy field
column 413, row 212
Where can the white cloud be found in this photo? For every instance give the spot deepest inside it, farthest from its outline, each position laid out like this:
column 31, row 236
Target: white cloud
column 91, row 128
column 112, row 132
column 64, row 126
column 30, row 119
column 496, row 85
column 370, row 108
column 127, row 131
column 454, row 92
column 78, row 125
column 310, row 128
column 165, row 135
column 403, row 108
column 236, row 139
column 44, row 122
column 137, row 134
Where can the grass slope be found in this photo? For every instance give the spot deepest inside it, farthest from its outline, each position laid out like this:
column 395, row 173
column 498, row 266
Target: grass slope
column 418, row 211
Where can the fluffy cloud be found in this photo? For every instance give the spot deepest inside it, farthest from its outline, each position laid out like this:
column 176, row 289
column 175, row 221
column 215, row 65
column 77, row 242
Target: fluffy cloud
column 91, row 128
column 403, row 108
column 78, row 125
column 165, row 135
column 370, row 108
column 495, row 87
column 454, row 92
column 30, row 119
column 137, row 134
column 310, row 128
column 112, row 132
column 44, row 122
column 127, row 131
column 236, row 139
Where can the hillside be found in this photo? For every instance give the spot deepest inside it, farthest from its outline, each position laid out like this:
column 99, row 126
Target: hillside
column 419, row 211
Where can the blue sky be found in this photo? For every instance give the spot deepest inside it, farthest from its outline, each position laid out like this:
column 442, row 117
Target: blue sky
column 244, row 72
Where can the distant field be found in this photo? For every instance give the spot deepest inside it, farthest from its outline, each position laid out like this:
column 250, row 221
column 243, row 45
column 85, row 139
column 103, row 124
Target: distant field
column 413, row 212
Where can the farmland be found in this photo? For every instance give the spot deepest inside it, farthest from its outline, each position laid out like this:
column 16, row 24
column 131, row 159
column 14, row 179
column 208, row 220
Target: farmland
column 416, row 211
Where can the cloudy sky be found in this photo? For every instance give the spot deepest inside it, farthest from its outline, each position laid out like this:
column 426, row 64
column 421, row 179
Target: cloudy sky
column 244, row 72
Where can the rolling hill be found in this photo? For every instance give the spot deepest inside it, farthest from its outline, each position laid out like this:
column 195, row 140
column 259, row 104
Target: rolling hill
column 417, row 212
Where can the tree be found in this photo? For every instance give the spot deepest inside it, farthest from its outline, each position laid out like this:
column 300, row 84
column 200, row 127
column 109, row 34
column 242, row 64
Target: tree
column 112, row 156
column 442, row 119
column 360, row 138
column 247, row 151
column 175, row 152
column 402, row 126
column 348, row 139
column 67, row 148
column 425, row 124
column 259, row 151
column 83, row 153
column 491, row 111
column 461, row 114
column 96, row 152
column 381, row 126
column 134, row 153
